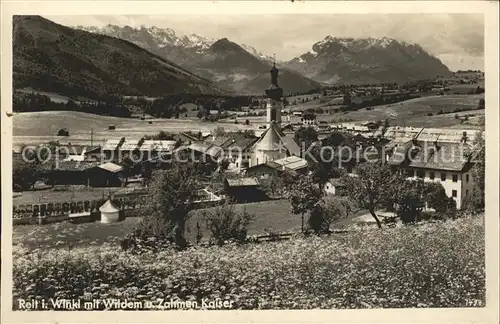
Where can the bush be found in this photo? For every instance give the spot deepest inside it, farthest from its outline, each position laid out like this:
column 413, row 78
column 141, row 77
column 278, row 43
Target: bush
column 430, row 114
column 329, row 210
column 226, row 224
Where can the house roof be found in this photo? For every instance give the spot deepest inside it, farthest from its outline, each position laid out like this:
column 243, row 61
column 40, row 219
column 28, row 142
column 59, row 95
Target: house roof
column 271, row 165
column 336, row 182
column 108, row 207
column 292, row 162
column 71, row 165
column 443, row 156
column 157, row 145
column 111, row 167
column 243, row 182
column 111, row 144
column 130, row 144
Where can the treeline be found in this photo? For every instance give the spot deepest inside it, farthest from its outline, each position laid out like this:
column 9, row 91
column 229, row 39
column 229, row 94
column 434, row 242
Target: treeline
column 29, row 102
column 351, row 103
column 170, row 106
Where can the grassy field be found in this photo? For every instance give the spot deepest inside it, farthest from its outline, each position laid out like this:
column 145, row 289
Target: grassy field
column 270, row 216
column 427, row 265
column 39, row 127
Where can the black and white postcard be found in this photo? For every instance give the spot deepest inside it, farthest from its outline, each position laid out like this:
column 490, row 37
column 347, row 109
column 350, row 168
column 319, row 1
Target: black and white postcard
column 263, row 161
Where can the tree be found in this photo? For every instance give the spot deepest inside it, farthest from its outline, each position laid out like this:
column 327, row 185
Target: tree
column 303, row 196
column 371, row 188
column 169, row 202
column 24, row 175
column 225, row 223
column 247, row 122
column 305, row 136
column 481, row 104
column 219, row 131
column 330, row 209
column 476, row 201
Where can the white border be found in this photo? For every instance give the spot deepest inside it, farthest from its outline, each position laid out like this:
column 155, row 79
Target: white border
column 488, row 314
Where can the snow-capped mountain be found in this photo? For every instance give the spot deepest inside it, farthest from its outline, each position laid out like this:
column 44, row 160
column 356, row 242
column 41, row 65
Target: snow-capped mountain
column 231, row 66
column 154, row 39
column 366, row 60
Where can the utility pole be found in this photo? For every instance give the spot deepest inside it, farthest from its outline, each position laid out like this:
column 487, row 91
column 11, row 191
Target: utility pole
column 91, row 137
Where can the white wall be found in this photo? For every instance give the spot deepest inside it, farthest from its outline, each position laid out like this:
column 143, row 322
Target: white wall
column 461, row 185
column 329, row 188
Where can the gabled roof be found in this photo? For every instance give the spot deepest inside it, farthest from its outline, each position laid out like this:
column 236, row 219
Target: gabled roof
column 111, row 167
column 157, row 145
column 292, row 162
column 130, row 144
column 243, row 182
column 111, row 144
column 442, row 156
column 108, row 207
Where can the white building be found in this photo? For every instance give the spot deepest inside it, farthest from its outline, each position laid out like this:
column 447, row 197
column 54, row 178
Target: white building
column 445, row 163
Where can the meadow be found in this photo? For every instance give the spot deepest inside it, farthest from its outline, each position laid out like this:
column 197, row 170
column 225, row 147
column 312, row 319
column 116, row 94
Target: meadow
column 429, row 265
column 272, row 216
column 415, row 110
column 40, row 127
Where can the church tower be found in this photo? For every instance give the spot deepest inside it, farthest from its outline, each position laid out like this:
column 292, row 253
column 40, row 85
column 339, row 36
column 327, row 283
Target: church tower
column 274, row 99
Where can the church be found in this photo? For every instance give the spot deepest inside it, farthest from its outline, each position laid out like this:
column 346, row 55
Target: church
column 273, row 144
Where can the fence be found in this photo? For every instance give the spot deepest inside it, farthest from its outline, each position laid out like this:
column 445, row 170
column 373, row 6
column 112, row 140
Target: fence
column 54, row 212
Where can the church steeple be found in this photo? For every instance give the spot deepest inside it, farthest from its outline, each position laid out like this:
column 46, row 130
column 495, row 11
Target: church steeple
column 274, row 91
column 274, row 95
column 274, row 75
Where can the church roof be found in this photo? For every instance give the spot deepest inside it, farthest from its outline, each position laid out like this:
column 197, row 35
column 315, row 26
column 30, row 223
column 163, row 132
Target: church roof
column 273, row 139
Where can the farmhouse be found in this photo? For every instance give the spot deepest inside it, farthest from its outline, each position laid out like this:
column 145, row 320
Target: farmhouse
column 244, row 190
column 333, row 187
column 294, row 163
column 105, row 175
column 111, row 147
column 69, row 172
column 442, row 162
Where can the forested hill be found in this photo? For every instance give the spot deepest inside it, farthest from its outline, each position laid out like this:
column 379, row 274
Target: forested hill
column 54, row 58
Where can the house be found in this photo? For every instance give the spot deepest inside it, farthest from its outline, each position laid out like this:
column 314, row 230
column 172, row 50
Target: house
column 333, row 187
column 68, row 172
column 186, row 138
column 106, row 175
column 445, row 163
column 294, row 163
column 237, row 150
column 323, row 125
column 308, row 119
column 268, row 170
column 79, row 153
column 110, row 149
column 244, row 190
column 272, row 145
column 199, row 152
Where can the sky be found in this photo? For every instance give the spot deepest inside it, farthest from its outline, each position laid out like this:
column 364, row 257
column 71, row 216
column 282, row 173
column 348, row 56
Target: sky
column 456, row 39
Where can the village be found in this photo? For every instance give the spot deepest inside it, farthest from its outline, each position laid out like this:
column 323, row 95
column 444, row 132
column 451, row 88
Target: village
column 339, row 164
column 79, row 182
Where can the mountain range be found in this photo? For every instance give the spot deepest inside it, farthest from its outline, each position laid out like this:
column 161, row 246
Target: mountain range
column 234, row 67
column 54, row 58
column 152, row 61
column 367, row 60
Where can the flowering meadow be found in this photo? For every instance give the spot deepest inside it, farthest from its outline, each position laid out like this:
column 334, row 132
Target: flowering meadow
column 429, row 265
